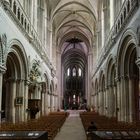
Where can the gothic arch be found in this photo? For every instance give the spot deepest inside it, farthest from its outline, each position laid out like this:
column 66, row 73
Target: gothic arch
column 16, row 47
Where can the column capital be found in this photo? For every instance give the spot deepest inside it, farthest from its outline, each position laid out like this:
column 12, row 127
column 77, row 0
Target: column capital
column 19, row 80
column 106, row 88
column 126, row 77
column 27, row 82
column 117, row 79
column 2, row 69
column 109, row 86
column 138, row 62
column 6, row 4
column 11, row 79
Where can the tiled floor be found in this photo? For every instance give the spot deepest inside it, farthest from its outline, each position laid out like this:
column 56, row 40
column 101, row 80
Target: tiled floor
column 72, row 128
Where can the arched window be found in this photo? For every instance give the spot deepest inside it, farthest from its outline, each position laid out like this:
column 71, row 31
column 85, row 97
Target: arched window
column 79, row 72
column 74, row 72
column 68, row 72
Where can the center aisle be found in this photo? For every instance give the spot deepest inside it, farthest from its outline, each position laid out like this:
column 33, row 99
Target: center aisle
column 72, row 128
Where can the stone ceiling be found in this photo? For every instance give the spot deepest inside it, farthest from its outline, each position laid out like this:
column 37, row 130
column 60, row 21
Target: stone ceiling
column 74, row 19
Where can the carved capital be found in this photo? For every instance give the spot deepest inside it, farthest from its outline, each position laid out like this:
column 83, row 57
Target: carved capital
column 2, row 69
column 27, row 82
column 11, row 80
column 117, row 79
column 138, row 62
column 19, row 80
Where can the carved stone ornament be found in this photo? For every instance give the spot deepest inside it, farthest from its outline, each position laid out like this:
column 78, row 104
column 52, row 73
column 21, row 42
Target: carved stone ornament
column 35, row 73
column 3, row 49
column 6, row 4
column 138, row 35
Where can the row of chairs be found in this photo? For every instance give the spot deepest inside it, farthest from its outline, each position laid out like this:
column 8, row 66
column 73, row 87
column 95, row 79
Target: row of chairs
column 50, row 123
column 105, row 123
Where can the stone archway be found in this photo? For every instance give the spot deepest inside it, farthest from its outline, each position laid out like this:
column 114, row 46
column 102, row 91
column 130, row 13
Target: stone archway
column 128, row 81
column 14, row 87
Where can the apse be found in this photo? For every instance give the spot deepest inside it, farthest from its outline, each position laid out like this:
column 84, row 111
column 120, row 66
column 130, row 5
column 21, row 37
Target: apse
column 74, row 63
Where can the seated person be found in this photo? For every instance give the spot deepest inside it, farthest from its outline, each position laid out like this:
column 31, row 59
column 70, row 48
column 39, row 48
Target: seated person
column 92, row 127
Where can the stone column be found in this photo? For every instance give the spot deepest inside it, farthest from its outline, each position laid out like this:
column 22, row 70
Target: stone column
column 22, row 94
column 109, row 101
column 19, row 93
column 126, row 98
column 106, row 101
column 1, row 79
column 123, row 99
column 52, row 105
column 43, row 104
column 88, row 92
column 118, row 99
column 111, row 13
column 46, row 103
column 59, row 77
column 51, row 102
column 2, row 70
column 10, row 100
column 104, row 105
column 95, row 100
column 25, row 100
column 138, row 64
column 131, row 101
column 49, row 105
column 115, row 96
column 101, row 103
column 35, row 14
column 98, row 100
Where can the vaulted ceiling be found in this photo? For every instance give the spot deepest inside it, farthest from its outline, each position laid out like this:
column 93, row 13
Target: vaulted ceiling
column 74, row 19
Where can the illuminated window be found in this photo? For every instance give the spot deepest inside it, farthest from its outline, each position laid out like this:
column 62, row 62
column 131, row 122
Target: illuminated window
column 74, row 72
column 79, row 72
column 74, row 96
column 68, row 72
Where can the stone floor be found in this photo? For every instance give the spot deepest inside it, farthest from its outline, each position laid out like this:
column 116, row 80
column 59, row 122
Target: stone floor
column 72, row 128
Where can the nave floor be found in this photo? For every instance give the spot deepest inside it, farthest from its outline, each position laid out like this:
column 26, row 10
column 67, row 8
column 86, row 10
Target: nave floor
column 72, row 128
